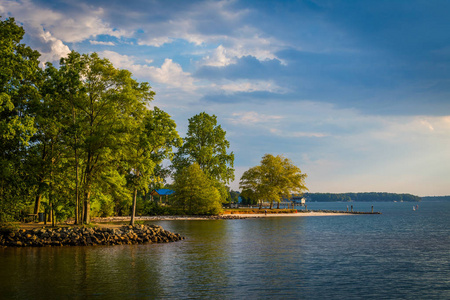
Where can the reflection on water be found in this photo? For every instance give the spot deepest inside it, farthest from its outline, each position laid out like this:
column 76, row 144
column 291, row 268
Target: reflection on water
column 400, row 254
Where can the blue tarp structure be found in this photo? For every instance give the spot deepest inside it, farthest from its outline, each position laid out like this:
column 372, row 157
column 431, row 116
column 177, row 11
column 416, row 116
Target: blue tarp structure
column 162, row 192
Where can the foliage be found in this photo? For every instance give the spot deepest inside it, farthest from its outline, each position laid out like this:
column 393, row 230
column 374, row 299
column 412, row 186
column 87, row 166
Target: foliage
column 361, row 197
column 276, row 178
column 234, row 196
column 195, row 192
column 436, row 198
column 20, row 74
column 156, row 136
column 109, row 106
column 151, row 208
column 206, row 145
column 83, row 133
column 246, row 199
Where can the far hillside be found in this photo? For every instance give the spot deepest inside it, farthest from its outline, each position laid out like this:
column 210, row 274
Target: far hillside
column 436, row 198
column 361, row 197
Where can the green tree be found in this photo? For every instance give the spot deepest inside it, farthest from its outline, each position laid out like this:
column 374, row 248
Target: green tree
column 206, row 145
column 153, row 142
column 195, row 192
column 47, row 155
column 274, row 179
column 19, row 80
column 234, row 196
column 108, row 106
column 72, row 90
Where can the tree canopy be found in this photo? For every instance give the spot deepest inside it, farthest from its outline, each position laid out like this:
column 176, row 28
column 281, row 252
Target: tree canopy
column 19, row 77
column 206, row 144
column 83, row 134
column 274, row 179
column 195, row 192
column 153, row 143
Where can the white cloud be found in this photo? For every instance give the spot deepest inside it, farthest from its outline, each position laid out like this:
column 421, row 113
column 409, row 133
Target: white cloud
column 75, row 25
column 49, row 30
column 203, row 24
column 218, row 58
column 248, row 43
column 252, row 117
column 170, row 73
column 101, row 43
column 249, row 86
column 57, row 48
column 154, row 41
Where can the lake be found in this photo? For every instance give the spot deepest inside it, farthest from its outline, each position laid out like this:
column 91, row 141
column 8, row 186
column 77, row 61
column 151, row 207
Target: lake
column 400, row 254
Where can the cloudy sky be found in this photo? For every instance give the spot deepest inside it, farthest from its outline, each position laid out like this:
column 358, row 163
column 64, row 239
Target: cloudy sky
column 355, row 93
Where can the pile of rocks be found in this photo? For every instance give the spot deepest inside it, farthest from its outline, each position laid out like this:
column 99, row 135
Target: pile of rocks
column 87, row 236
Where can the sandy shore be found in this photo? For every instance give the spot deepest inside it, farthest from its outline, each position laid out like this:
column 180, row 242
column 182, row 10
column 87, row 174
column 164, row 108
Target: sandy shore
column 224, row 216
column 302, row 214
column 119, row 221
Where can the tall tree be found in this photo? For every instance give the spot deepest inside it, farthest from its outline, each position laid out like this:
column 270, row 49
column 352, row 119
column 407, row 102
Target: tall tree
column 72, row 90
column 47, row 150
column 108, row 107
column 153, row 143
column 206, row 145
column 274, row 179
column 19, row 79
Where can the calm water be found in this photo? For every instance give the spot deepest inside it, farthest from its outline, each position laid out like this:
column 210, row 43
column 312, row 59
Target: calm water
column 401, row 254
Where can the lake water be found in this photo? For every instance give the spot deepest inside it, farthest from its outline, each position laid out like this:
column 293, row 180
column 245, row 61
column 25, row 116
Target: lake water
column 401, row 254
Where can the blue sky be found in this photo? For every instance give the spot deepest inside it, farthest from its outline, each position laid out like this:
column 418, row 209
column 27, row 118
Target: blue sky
column 355, row 93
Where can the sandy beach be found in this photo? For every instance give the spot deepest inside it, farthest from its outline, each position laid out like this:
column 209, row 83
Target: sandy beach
column 223, row 216
column 119, row 221
column 302, row 214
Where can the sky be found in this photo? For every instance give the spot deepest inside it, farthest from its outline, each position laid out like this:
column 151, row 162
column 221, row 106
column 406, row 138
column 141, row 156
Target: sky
column 355, row 93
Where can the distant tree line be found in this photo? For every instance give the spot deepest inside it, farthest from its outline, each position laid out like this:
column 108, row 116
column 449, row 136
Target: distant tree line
column 361, row 197
column 436, row 198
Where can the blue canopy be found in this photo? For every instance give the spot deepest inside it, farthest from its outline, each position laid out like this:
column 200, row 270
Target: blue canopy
column 163, row 192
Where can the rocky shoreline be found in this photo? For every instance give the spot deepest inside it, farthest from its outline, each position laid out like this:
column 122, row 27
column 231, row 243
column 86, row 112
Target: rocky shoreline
column 87, row 236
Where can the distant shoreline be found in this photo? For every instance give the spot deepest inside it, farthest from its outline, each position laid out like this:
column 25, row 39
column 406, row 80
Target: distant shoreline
column 112, row 222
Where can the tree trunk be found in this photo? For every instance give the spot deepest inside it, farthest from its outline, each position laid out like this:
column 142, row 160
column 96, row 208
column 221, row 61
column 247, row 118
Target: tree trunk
column 53, row 216
column 77, row 197
column 37, row 203
column 133, row 209
column 87, row 208
column 278, row 205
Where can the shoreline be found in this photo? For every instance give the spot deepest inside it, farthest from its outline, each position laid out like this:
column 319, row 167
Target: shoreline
column 116, row 231
column 115, row 222
column 232, row 216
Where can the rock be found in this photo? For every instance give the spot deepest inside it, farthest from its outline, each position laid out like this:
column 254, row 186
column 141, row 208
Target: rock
column 73, row 236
